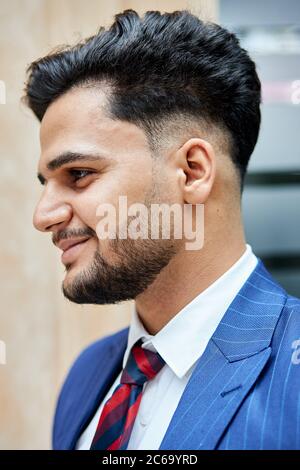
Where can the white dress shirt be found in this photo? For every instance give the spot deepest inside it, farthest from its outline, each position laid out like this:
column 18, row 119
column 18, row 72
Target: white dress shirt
column 180, row 343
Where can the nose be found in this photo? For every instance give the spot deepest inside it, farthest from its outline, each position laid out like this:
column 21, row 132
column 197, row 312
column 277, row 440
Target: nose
column 51, row 211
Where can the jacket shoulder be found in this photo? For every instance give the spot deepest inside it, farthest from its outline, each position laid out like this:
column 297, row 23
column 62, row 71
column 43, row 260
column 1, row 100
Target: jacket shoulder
column 94, row 352
column 291, row 314
column 286, row 340
column 87, row 373
column 91, row 358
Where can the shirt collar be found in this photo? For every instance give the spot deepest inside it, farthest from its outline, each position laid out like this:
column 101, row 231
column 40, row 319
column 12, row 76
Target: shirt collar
column 183, row 340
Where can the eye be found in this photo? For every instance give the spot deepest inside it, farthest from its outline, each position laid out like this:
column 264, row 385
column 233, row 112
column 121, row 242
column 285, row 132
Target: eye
column 79, row 174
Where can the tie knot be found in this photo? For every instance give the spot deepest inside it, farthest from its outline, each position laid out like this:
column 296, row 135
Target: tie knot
column 142, row 365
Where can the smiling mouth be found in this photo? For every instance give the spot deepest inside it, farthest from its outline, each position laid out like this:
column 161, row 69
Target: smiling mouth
column 70, row 254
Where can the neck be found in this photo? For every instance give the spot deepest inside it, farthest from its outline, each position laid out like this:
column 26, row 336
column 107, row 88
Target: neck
column 187, row 275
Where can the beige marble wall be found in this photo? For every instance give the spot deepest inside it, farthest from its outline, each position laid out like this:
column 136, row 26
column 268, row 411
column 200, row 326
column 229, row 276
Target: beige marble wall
column 42, row 333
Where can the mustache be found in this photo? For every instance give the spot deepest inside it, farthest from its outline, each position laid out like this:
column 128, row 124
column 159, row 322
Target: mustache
column 72, row 233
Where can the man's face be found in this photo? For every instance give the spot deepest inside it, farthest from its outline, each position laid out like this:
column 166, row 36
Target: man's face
column 88, row 159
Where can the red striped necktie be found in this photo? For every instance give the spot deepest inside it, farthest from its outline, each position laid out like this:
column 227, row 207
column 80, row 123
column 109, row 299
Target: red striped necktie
column 119, row 412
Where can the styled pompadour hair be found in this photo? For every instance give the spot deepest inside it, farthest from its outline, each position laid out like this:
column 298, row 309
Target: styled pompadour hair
column 160, row 66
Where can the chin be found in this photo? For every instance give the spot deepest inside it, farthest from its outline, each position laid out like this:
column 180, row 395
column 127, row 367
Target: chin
column 69, row 277
column 73, row 270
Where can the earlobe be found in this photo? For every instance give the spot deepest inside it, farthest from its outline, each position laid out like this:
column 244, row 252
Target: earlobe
column 195, row 193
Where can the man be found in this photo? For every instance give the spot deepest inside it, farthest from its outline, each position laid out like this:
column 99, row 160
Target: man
column 164, row 109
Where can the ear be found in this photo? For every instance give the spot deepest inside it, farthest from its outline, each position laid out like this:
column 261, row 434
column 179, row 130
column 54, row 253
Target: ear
column 196, row 166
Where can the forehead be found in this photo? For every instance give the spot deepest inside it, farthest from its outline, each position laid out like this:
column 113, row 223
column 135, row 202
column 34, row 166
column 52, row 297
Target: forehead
column 77, row 122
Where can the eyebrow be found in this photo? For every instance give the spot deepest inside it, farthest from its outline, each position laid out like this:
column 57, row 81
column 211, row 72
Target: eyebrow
column 69, row 157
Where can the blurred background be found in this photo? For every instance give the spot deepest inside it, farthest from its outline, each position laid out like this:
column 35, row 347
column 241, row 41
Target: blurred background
column 40, row 332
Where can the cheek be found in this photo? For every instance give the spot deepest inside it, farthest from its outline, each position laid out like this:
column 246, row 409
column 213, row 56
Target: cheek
column 93, row 206
column 85, row 210
column 106, row 192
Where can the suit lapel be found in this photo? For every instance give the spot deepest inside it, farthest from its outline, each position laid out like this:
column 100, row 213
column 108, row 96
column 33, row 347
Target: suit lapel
column 230, row 365
column 91, row 392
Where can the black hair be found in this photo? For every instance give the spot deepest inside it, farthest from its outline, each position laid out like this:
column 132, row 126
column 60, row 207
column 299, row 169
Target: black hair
column 160, row 66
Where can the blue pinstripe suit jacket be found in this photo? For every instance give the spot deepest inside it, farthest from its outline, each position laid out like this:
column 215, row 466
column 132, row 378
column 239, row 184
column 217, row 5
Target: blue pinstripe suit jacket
column 244, row 392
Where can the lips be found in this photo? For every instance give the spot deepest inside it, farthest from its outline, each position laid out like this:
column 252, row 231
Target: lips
column 65, row 245
column 71, row 248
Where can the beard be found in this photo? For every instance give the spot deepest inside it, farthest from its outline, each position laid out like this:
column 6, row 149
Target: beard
column 104, row 283
column 137, row 262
